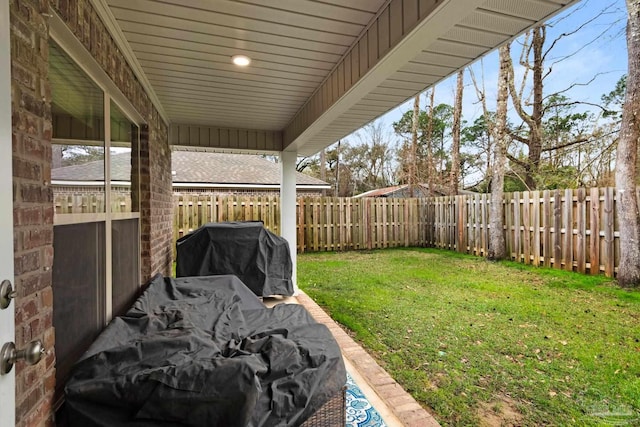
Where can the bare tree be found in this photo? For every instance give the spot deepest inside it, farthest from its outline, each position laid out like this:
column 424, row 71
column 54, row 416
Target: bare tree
column 497, row 249
column 532, row 120
column 323, row 167
column 457, row 118
column 627, row 205
column 431, row 170
column 533, row 106
column 413, row 152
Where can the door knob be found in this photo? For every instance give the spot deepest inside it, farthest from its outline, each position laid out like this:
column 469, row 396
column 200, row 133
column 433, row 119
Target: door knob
column 31, row 354
column 6, row 294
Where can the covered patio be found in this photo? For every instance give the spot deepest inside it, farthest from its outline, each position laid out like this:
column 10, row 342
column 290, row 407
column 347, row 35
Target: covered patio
column 317, row 71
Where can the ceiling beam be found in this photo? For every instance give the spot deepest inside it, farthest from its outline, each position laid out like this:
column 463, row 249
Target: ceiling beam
column 219, row 138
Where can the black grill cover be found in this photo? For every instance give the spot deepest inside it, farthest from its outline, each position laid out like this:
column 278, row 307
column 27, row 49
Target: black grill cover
column 258, row 257
column 204, row 351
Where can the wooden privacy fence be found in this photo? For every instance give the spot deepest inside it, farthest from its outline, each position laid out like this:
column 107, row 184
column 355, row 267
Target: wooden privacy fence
column 566, row 229
column 323, row 223
column 74, row 200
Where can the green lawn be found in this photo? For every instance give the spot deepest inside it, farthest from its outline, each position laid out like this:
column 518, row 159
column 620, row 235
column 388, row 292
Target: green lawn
column 481, row 343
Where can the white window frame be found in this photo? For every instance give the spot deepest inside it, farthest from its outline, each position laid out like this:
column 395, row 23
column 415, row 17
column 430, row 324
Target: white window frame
column 63, row 37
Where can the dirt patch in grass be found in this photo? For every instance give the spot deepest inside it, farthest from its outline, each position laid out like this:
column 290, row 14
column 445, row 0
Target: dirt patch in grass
column 500, row 412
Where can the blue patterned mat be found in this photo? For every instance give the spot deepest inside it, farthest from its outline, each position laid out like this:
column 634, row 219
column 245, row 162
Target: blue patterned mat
column 360, row 413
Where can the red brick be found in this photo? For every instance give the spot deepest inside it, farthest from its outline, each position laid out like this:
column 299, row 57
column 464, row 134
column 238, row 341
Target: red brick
column 47, row 215
column 26, row 263
column 28, row 310
column 28, row 216
column 36, row 193
column 23, row 76
column 31, row 284
column 49, row 339
column 34, row 147
column 50, row 381
column 46, row 298
column 37, row 237
column 36, row 328
column 29, row 377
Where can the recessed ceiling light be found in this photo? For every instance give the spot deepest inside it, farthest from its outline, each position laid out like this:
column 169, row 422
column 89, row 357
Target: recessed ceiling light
column 241, row 60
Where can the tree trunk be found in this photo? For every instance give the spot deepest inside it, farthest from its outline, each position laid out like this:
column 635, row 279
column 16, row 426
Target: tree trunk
column 413, row 155
column 338, row 170
column 535, row 136
column 323, row 167
column 455, row 157
column 497, row 249
column 430, row 165
column 627, row 203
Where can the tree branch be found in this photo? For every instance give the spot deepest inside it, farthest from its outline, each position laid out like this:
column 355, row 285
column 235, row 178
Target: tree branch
column 568, row 144
column 516, row 160
column 518, row 137
column 569, row 33
column 517, row 98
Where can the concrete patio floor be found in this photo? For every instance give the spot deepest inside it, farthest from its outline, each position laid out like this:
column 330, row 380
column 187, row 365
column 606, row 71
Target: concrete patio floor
column 396, row 407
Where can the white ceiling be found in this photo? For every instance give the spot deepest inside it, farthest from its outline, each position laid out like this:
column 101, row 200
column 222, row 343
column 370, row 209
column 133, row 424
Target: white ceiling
column 184, row 50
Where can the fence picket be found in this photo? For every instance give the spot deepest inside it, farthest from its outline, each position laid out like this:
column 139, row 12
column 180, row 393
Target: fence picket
column 581, row 235
column 608, row 222
column 516, row 226
column 548, row 228
column 535, row 210
column 547, row 251
column 594, row 232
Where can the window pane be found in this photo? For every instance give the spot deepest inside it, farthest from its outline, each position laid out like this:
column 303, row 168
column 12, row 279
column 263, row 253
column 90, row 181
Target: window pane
column 78, row 291
column 77, row 113
column 123, row 162
column 125, row 253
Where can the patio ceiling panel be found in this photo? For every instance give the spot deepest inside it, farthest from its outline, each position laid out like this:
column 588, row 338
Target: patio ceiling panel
column 185, row 48
column 319, row 70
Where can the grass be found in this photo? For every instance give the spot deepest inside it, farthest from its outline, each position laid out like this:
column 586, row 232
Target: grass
column 488, row 343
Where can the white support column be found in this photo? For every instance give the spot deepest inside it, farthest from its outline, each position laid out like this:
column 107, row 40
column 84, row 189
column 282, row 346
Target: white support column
column 288, row 205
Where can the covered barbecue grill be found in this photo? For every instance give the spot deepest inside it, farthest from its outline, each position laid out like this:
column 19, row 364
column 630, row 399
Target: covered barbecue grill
column 258, row 257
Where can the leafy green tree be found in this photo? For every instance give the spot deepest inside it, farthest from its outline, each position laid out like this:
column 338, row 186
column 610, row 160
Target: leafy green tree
column 477, row 141
column 434, row 130
column 614, row 101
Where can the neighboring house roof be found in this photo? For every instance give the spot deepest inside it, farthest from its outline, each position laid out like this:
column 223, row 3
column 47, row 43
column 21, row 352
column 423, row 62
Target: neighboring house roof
column 193, row 166
column 192, row 169
column 421, row 190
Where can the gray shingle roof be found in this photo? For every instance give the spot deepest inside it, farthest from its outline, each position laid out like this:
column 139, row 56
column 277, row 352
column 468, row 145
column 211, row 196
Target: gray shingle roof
column 190, row 167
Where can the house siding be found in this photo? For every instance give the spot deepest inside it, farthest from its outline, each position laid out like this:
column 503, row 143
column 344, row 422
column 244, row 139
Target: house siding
column 32, row 193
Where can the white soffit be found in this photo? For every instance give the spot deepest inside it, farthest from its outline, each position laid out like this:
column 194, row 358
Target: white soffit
column 477, row 31
column 182, row 52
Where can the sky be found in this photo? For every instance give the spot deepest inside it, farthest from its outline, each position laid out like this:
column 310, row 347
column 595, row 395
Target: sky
column 596, row 51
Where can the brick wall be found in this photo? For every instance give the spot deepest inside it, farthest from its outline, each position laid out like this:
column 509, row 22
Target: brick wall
column 32, row 194
column 156, row 204
column 33, row 208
